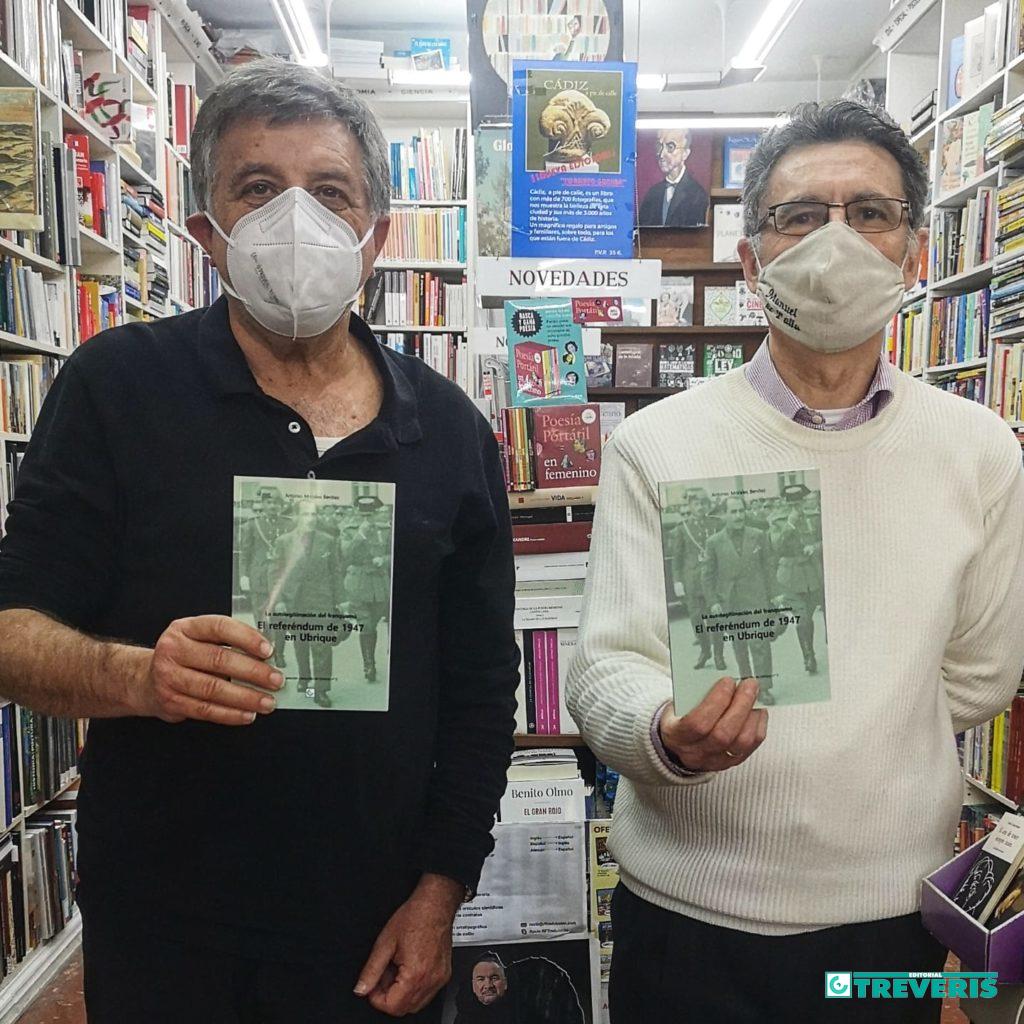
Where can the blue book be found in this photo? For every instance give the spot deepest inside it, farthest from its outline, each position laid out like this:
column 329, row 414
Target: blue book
column 955, row 82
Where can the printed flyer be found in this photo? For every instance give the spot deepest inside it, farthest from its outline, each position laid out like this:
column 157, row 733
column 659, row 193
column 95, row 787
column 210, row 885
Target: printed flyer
column 545, row 353
column 573, row 159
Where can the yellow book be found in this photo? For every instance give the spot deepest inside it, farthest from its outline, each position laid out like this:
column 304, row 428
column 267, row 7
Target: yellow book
column 997, row 754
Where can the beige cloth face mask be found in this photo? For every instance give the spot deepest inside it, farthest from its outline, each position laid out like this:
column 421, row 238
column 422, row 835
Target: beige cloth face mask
column 832, row 291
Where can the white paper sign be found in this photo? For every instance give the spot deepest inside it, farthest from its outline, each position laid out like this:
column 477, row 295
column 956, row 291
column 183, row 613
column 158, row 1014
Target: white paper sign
column 529, row 278
column 533, row 886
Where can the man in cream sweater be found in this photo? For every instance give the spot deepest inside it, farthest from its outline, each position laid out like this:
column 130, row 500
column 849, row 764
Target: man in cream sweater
column 760, row 849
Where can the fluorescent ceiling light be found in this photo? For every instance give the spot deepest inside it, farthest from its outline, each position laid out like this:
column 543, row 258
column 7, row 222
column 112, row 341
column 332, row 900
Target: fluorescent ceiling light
column 667, row 121
column 769, row 27
column 410, row 76
column 653, row 82
column 298, row 31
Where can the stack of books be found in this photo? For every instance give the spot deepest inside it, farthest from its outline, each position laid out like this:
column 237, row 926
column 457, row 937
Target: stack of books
column 356, row 58
column 414, row 297
column 444, row 352
column 963, row 147
column 906, row 338
column 427, row 235
column 32, row 306
column 923, row 112
column 1007, row 385
column 964, row 239
column 1008, row 296
column 959, row 328
column 1010, row 217
column 24, row 382
column 969, row 384
column 1006, row 135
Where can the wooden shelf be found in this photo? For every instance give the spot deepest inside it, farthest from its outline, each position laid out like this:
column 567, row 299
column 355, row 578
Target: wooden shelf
column 702, row 268
column 550, row 741
column 759, row 330
column 726, row 193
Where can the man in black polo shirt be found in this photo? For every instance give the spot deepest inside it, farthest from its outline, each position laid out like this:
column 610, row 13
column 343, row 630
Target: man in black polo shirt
column 239, row 863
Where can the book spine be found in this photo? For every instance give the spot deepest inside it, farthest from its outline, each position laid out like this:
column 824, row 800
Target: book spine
column 540, row 677
column 551, row 644
column 528, row 676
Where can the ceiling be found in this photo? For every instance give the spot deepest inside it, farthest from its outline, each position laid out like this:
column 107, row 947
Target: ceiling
column 674, row 36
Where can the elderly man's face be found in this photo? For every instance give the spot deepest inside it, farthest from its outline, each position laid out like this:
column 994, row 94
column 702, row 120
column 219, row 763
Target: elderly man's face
column 735, row 513
column 835, row 172
column 255, row 161
column 672, row 149
column 489, row 983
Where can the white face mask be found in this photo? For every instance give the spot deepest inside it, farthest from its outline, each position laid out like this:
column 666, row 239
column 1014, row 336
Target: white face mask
column 294, row 265
column 832, row 291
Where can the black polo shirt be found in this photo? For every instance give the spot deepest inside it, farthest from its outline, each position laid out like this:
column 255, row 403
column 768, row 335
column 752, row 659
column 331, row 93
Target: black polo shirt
column 305, row 830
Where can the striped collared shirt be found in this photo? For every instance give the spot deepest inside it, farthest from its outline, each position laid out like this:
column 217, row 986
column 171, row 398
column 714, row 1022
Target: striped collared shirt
column 770, row 387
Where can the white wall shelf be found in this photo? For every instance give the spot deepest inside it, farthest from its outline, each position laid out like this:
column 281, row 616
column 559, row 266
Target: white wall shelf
column 965, row 281
column 969, row 364
column 958, row 198
column 16, row 343
column 991, row 793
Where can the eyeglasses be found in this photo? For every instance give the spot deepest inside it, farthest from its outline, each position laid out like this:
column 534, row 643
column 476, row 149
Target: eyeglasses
column 669, row 147
column 867, row 216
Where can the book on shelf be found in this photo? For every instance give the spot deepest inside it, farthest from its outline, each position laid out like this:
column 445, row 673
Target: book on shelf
column 974, row 134
column 541, row 498
column 1005, row 134
column 182, row 109
column 553, row 565
column 969, row 384
column 24, row 382
column 566, row 445
column 1010, row 218
column 32, row 306
column 736, row 151
column 433, row 235
column 923, row 112
column 720, row 306
column 959, row 328
column 1007, row 386
column 429, row 167
column 728, row 230
column 749, row 307
column 1014, row 30
column 675, row 302
column 974, row 54
column 993, row 753
column 955, row 74
column 415, row 297
column 676, row 365
column 546, row 655
column 906, row 338
column 548, row 604
column 1001, row 856
column 107, row 96
column 539, row 763
column 950, row 153
column 440, row 350
column 966, row 238
column 719, row 359
column 19, row 143
column 634, row 364
column 569, row 534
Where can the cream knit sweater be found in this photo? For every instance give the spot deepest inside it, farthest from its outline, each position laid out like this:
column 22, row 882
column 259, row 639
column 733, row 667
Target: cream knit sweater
column 847, row 804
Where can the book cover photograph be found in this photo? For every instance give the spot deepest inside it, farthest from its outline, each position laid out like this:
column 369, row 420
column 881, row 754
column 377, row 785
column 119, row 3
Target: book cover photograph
column 545, row 353
column 19, row 177
column 745, row 585
column 313, row 572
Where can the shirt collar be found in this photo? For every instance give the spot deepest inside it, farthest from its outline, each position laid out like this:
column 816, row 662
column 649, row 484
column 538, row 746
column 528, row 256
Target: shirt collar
column 228, row 373
column 771, row 388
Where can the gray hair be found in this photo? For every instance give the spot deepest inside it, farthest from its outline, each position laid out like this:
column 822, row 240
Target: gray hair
column 277, row 92
column 837, row 121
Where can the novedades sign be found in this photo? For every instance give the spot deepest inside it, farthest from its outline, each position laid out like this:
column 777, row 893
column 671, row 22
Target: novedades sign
column 513, row 278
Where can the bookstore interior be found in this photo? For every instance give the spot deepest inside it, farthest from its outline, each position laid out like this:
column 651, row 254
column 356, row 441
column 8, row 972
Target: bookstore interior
column 566, row 245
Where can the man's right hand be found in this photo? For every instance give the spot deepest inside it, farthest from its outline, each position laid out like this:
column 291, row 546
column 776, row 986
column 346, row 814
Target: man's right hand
column 720, row 732
column 191, row 668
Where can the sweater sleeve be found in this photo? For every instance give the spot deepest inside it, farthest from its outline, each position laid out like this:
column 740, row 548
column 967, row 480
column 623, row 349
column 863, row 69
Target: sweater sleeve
column 982, row 664
column 621, row 674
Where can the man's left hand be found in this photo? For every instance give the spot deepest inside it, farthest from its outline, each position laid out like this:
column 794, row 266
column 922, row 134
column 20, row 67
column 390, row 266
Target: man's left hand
column 412, row 957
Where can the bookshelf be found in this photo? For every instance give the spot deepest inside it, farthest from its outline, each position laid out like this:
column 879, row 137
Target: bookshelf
column 51, row 65
column 918, row 63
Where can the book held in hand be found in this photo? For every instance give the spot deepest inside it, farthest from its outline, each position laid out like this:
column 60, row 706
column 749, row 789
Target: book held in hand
column 313, row 572
column 745, row 585
column 1002, row 854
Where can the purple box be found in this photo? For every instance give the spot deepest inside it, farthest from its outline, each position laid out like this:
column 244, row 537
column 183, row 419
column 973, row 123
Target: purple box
column 1000, row 950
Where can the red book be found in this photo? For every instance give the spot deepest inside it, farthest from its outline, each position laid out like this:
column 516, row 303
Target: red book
column 536, row 368
column 98, row 191
column 540, row 682
column 182, row 126
column 545, row 538
column 567, row 445
column 80, row 145
column 551, row 642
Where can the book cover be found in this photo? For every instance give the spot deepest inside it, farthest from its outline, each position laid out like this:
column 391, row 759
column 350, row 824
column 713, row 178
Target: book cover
column 719, row 359
column 955, row 81
column 736, row 151
column 634, row 364
column 675, row 302
column 313, row 572
column 951, row 154
column 551, row 538
column 990, row 875
column 749, row 307
column 545, row 348
column 19, row 170
column 720, row 306
column 108, row 104
column 599, row 367
column 676, row 365
column 493, row 172
column 728, row 222
column 745, row 554
column 540, row 681
column 567, row 445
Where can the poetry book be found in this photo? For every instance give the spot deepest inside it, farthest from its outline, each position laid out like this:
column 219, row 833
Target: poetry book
column 545, row 353
column 745, row 585
column 313, row 573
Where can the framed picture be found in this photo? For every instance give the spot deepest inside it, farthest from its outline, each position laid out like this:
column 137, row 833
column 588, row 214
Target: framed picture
column 19, row 142
column 673, row 177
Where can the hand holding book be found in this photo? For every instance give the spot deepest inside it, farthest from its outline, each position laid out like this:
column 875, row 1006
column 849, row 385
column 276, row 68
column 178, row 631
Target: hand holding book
column 720, row 732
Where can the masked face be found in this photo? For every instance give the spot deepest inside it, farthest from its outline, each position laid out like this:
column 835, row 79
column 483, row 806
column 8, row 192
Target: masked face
column 293, row 264
column 831, row 291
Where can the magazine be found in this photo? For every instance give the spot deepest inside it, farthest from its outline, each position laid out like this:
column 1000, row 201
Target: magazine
column 745, row 585
column 313, row 573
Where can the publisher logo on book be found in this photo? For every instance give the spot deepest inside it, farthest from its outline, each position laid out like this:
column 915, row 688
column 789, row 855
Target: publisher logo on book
column 910, row 984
